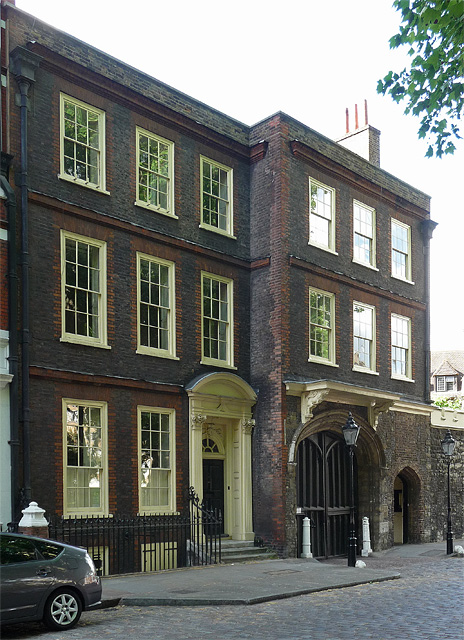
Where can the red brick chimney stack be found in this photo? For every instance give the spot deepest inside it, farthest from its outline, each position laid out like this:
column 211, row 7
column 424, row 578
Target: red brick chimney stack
column 365, row 141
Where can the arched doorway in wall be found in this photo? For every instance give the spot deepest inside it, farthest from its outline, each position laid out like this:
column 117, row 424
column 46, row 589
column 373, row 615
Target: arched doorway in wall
column 323, row 491
column 321, row 471
column 406, row 492
column 400, row 510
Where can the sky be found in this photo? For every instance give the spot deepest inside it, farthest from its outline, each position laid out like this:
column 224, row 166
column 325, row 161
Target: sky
column 310, row 59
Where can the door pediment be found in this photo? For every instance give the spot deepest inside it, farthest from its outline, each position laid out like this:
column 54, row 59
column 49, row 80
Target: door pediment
column 221, row 394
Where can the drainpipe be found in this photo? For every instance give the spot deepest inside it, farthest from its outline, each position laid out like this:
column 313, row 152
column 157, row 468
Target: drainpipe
column 428, row 227
column 12, row 331
column 23, row 64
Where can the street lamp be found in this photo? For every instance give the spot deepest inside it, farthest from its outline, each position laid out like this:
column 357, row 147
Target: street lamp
column 447, row 446
column 350, row 432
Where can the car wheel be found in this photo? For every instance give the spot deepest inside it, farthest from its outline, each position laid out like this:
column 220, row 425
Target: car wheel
column 62, row 609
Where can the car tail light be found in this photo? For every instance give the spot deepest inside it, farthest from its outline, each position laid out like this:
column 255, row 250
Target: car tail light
column 91, row 575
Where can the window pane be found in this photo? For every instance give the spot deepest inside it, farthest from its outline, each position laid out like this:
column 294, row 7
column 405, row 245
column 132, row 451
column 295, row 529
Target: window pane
column 156, row 308
column 81, row 142
column 400, row 250
column 155, row 458
column 320, row 314
column 400, row 345
column 362, row 336
column 215, row 196
column 84, row 457
column 154, row 172
column 215, row 319
column 82, row 294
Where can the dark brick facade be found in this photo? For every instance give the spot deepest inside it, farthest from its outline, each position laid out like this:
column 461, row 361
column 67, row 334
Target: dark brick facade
column 272, row 267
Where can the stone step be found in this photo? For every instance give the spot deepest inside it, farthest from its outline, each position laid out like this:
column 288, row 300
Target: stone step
column 247, row 557
column 235, row 551
column 227, row 543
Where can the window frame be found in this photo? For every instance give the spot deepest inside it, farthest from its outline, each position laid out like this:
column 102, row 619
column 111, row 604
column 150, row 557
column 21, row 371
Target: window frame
column 371, row 264
column 89, row 511
column 407, row 376
column 102, row 340
column 445, row 380
column 331, row 360
column 170, row 352
column 373, row 346
column 101, row 185
column 171, row 506
column 407, row 277
column 331, row 246
column 169, row 210
column 229, row 230
column 229, row 361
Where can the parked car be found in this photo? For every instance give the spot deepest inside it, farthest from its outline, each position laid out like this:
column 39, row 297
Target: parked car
column 45, row 580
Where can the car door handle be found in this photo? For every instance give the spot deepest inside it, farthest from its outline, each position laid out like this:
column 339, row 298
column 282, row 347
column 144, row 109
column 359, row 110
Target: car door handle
column 43, row 573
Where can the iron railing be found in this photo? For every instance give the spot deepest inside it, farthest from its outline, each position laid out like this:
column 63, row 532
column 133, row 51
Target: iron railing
column 142, row 543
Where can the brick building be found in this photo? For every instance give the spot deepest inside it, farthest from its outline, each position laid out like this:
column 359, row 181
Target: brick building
column 202, row 304
column 447, row 368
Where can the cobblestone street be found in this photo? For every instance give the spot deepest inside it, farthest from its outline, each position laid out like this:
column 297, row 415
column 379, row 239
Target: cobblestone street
column 426, row 603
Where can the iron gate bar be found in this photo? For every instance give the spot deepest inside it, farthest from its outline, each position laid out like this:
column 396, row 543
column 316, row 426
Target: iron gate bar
column 148, row 542
column 322, row 488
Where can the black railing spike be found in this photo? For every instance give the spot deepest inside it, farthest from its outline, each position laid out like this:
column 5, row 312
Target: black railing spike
column 150, row 542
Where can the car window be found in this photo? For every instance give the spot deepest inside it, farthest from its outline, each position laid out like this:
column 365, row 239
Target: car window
column 47, row 549
column 13, row 550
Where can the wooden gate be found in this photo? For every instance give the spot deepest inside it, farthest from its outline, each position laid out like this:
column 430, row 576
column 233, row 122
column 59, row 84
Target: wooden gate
column 323, row 492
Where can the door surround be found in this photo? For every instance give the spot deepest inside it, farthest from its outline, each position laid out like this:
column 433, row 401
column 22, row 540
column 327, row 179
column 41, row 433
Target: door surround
column 225, row 399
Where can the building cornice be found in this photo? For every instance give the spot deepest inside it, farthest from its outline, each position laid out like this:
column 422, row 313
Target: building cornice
column 144, row 104
column 446, row 417
column 78, row 377
column 301, row 263
column 105, row 220
column 376, row 401
column 380, row 186
column 314, row 393
column 417, row 408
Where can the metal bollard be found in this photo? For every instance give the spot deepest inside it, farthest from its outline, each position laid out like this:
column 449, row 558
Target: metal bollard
column 306, row 547
column 366, row 550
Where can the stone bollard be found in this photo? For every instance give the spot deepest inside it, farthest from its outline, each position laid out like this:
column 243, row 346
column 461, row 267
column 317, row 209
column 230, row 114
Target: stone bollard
column 366, row 550
column 306, row 546
column 33, row 522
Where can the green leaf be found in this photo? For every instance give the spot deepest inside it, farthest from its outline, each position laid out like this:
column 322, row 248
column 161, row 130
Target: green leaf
column 432, row 88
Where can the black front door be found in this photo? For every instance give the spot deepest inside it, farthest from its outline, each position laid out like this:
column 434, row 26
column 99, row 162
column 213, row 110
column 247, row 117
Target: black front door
column 213, row 485
column 323, row 492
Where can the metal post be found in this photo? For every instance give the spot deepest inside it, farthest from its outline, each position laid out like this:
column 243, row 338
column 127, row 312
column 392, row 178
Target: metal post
column 352, row 539
column 306, row 546
column 449, row 534
column 350, row 432
column 366, row 550
column 447, row 446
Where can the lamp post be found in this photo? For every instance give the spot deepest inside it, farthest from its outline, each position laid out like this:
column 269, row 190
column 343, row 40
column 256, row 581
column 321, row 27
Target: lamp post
column 447, row 446
column 350, row 433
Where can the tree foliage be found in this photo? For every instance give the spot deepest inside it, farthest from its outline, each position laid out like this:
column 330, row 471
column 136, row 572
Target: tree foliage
column 450, row 402
column 433, row 86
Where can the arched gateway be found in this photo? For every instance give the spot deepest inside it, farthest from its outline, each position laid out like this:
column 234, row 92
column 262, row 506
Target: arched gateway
column 220, row 408
column 323, row 491
column 322, row 480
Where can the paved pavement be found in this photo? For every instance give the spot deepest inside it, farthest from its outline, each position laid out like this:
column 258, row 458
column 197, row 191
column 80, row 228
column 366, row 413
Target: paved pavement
column 256, row 582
